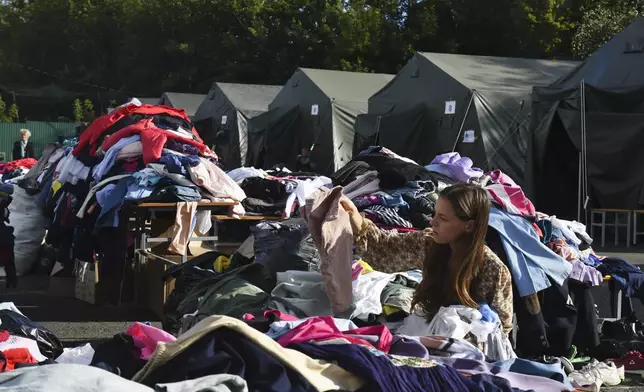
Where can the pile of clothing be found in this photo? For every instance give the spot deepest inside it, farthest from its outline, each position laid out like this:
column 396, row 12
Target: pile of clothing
column 7, row 242
column 267, row 351
column 14, row 171
column 277, row 192
column 551, row 260
column 137, row 153
column 393, row 192
column 280, row 315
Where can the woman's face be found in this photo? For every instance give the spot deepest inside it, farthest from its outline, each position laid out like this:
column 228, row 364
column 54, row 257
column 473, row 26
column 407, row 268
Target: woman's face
column 24, row 137
column 446, row 225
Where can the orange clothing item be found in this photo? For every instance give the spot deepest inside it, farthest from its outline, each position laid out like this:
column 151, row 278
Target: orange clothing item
column 13, row 356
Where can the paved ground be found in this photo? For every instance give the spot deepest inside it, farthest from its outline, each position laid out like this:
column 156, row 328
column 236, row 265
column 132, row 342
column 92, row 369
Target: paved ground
column 53, row 305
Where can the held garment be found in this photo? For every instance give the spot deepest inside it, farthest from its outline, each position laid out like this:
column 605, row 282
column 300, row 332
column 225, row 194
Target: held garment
column 331, row 229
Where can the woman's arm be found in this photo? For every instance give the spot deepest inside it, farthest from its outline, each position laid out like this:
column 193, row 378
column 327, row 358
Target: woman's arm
column 391, row 252
column 502, row 299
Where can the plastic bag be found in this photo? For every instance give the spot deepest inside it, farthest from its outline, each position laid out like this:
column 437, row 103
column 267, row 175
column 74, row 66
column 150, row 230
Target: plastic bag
column 452, row 322
column 285, row 246
column 81, row 355
column 498, row 346
column 19, row 325
column 28, row 223
column 46, row 261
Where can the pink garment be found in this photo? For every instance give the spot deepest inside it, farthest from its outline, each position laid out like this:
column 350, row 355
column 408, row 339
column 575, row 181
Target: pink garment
column 279, row 316
column 323, row 328
column 182, row 229
column 507, row 193
column 331, row 230
column 208, row 176
column 130, row 165
column 560, row 247
column 356, row 271
column 146, row 338
column 276, row 315
column 398, row 228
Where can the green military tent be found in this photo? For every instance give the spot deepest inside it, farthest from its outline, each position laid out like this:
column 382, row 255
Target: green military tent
column 149, row 101
column 315, row 110
column 588, row 132
column 222, row 118
column 476, row 105
column 188, row 102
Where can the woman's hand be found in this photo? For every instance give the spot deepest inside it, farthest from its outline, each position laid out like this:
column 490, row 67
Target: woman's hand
column 354, row 215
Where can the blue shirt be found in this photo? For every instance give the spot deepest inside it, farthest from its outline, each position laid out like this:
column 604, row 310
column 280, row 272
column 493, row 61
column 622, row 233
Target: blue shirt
column 110, row 156
column 529, row 260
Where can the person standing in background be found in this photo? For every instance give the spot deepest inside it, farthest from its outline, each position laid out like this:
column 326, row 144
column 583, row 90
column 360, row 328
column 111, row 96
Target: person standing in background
column 304, row 163
column 22, row 148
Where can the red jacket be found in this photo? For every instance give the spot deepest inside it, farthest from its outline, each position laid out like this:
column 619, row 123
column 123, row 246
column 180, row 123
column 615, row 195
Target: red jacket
column 152, row 139
column 93, row 133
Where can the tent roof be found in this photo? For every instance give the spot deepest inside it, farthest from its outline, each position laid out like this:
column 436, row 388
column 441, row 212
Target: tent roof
column 149, row 101
column 617, row 64
column 347, row 86
column 189, row 102
column 499, row 73
column 250, row 99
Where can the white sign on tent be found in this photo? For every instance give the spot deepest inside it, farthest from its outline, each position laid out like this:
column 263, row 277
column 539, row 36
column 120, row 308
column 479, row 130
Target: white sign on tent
column 224, row 120
column 450, row 107
column 469, row 136
column 314, row 110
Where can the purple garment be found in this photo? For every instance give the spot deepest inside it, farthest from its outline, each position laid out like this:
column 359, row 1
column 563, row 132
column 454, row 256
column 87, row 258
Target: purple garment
column 181, row 147
column 367, row 201
column 408, row 346
column 517, row 380
column 585, row 273
column 454, row 166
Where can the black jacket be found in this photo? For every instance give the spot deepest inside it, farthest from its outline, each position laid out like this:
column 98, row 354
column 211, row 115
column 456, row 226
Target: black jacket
column 17, row 151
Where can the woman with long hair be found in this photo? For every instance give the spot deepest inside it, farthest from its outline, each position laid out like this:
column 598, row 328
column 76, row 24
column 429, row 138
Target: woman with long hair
column 458, row 268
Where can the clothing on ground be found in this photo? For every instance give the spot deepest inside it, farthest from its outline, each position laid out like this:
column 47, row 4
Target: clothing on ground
column 220, row 342
column 380, row 374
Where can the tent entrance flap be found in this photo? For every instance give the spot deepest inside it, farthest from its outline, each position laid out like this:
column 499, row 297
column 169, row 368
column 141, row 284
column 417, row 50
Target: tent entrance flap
column 412, row 133
column 273, row 138
column 502, row 125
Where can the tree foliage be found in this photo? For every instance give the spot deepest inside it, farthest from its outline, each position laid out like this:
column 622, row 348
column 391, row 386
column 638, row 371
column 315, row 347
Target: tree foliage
column 603, row 20
column 77, row 110
column 8, row 114
column 142, row 47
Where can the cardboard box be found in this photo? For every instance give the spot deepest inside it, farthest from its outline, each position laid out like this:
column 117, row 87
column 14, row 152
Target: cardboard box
column 153, row 290
column 87, row 281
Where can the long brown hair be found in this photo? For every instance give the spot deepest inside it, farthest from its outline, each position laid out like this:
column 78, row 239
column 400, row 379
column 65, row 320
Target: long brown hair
column 447, row 276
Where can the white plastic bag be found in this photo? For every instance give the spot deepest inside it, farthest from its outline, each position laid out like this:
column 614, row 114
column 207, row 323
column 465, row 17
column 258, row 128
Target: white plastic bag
column 367, row 289
column 498, row 346
column 28, row 224
column 81, row 355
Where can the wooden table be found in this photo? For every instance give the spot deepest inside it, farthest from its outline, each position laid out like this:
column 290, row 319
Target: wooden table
column 142, row 213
